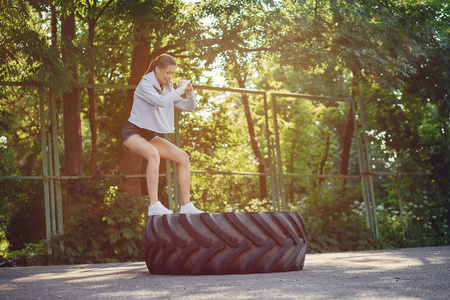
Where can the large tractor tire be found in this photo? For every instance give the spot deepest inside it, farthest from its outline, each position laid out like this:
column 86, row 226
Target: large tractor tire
column 225, row 243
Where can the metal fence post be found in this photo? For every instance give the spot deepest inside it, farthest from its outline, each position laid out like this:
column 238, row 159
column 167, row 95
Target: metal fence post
column 45, row 170
column 361, row 168
column 269, row 153
column 400, row 206
column 51, row 183
column 177, row 203
column 279, row 162
column 169, row 180
column 56, row 165
column 369, row 168
column 366, row 180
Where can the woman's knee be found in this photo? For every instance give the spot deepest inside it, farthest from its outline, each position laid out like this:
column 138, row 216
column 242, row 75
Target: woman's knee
column 152, row 155
column 183, row 158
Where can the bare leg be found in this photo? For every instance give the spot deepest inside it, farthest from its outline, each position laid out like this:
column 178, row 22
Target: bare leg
column 141, row 147
column 171, row 152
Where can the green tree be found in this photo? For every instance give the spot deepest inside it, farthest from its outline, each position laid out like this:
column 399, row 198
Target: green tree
column 95, row 11
column 410, row 135
column 73, row 151
column 25, row 53
column 238, row 39
column 162, row 27
column 25, row 56
column 360, row 38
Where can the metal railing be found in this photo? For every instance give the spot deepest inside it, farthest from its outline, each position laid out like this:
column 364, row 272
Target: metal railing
column 52, row 178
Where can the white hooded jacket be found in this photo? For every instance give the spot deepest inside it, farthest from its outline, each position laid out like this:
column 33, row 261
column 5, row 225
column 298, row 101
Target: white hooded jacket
column 153, row 109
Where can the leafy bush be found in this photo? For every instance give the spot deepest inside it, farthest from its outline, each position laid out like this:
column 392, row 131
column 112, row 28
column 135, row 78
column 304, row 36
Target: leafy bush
column 31, row 254
column 420, row 219
column 110, row 232
column 334, row 219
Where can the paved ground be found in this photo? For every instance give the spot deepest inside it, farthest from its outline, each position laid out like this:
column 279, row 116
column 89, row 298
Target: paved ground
column 419, row 273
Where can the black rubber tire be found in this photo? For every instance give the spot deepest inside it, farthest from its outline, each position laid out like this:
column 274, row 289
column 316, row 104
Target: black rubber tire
column 225, row 243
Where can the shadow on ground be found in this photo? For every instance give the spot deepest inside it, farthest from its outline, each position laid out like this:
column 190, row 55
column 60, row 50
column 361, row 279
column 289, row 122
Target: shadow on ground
column 415, row 273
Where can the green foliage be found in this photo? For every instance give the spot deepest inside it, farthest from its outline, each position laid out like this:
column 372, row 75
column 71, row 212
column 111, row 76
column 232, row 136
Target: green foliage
column 21, row 201
column 334, row 218
column 26, row 52
column 30, row 255
column 111, row 229
column 8, row 188
column 4, row 244
column 395, row 53
column 413, row 214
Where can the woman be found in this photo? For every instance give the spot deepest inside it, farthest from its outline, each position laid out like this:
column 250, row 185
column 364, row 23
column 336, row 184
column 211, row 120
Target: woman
column 152, row 113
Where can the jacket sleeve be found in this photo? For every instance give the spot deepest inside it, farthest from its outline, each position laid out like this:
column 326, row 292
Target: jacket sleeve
column 189, row 104
column 147, row 92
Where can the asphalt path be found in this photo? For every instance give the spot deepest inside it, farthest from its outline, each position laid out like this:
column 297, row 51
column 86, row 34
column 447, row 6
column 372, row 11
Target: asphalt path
column 413, row 273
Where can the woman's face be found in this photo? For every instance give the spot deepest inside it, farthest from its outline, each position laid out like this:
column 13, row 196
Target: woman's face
column 165, row 75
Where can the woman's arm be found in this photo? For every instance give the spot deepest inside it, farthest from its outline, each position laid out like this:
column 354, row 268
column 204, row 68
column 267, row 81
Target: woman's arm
column 189, row 104
column 147, row 92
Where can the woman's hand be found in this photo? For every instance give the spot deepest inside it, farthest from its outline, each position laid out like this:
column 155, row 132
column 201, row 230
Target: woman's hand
column 189, row 87
column 183, row 83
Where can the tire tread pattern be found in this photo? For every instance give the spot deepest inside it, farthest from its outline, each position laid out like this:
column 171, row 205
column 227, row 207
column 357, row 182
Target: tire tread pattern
column 225, row 243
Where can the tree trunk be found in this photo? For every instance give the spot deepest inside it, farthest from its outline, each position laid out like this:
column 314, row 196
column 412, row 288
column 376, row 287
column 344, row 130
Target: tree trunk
column 324, row 159
column 71, row 101
column 291, row 168
column 71, row 106
column 254, row 142
column 54, row 26
column 93, row 17
column 91, row 93
column 348, row 134
column 131, row 163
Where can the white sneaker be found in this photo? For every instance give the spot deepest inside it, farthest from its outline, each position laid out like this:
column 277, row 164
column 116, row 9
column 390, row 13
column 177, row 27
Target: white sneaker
column 190, row 209
column 158, row 209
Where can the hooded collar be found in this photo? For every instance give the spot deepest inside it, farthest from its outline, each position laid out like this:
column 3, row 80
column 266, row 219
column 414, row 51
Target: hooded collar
column 152, row 78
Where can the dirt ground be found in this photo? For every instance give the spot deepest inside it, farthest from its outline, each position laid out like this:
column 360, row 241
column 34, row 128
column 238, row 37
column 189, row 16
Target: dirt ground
column 414, row 273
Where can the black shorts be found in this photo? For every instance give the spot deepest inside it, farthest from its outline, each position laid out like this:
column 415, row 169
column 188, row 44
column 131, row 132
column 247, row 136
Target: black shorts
column 130, row 129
